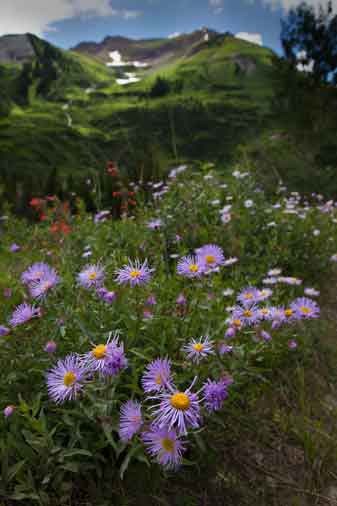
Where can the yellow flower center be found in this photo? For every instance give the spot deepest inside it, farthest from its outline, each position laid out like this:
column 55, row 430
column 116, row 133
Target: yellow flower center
column 247, row 313
column 180, row 401
column 248, row 296
column 193, row 268
column 158, row 379
column 167, row 444
column 198, row 347
column 99, row 351
column 265, row 311
column 288, row 312
column 93, row 276
column 210, row 259
column 237, row 323
column 69, row 379
column 135, row 274
column 305, row 310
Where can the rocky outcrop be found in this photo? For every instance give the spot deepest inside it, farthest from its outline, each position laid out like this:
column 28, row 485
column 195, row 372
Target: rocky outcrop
column 15, row 49
column 244, row 64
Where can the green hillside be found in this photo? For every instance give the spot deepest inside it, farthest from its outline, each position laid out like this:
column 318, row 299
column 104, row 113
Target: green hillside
column 63, row 114
column 67, row 115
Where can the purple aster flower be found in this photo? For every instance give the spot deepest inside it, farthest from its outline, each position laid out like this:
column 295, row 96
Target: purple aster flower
column 165, row 446
column 157, row 375
column 130, row 420
column 39, row 289
column 14, row 248
column 265, row 313
column 35, row 273
column 151, row 301
column 9, row 410
column 212, row 255
column 289, row 280
column 179, row 410
column 305, row 308
column 274, row 272
column 230, row 332
column 249, row 296
column 4, row 331
column 277, row 316
column 115, row 360
column 106, row 295
column 311, row 292
column 91, row 276
column 292, row 345
column 101, row 356
column 7, row 293
column 270, row 281
column 191, row 267
column 225, row 348
column 230, row 261
column 147, row 314
column 65, row 381
column 154, row 224
column 23, row 313
column 215, row 393
column 101, row 216
column 198, row 349
column 265, row 293
column 135, row 273
column 50, row 347
column 181, row 300
column 265, row 335
column 249, row 315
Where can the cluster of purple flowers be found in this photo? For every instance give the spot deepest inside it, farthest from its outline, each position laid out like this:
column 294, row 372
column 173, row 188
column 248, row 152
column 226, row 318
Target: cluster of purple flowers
column 207, row 259
column 40, row 279
column 173, row 412
column 66, row 380
column 248, row 312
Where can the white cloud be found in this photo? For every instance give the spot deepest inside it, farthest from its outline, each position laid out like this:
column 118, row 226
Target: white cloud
column 255, row 38
column 37, row 16
column 217, row 6
column 288, row 4
column 174, row 35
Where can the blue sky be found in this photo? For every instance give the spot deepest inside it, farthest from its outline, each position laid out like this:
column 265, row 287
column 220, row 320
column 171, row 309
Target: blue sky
column 67, row 22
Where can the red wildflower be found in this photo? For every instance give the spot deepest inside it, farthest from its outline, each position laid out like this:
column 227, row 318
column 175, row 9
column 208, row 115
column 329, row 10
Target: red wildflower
column 112, row 169
column 35, row 202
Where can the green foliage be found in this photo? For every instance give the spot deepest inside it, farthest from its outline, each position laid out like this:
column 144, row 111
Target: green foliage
column 311, row 32
column 50, row 454
column 160, row 88
column 208, row 102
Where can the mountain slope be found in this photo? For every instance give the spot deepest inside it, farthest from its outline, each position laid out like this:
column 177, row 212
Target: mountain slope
column 69, row 112
column 149, row 51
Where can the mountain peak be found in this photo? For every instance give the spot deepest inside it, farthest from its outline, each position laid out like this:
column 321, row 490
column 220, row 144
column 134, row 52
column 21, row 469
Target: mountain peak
column 16, row 48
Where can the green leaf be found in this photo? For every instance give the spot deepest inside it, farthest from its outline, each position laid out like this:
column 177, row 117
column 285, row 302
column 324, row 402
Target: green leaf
column 76, row 451
column 126, row 461
column 13, row 470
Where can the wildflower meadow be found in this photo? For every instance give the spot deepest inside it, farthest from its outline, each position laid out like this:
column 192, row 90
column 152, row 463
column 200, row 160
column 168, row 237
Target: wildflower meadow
column 128, row 344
